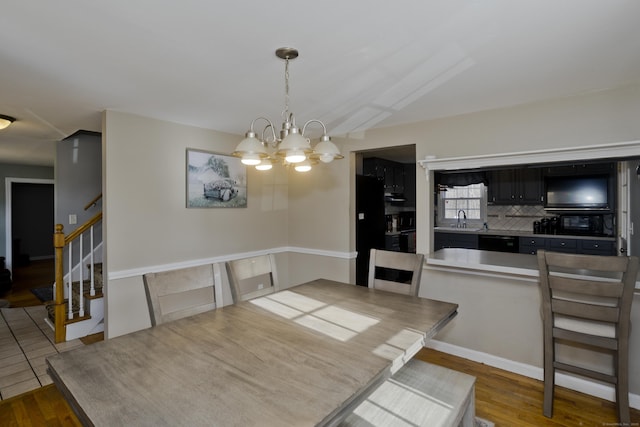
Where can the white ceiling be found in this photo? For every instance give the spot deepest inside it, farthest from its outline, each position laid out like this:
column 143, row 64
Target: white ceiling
column 363, row 63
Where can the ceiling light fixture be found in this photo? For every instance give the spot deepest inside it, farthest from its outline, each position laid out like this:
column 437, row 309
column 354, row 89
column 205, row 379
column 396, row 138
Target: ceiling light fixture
column 5, row 121
column 291, row 147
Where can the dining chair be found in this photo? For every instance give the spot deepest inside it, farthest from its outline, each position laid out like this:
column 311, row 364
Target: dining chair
column 586, row 303
column 252, row 277
column 398, row 272
column 180, row 293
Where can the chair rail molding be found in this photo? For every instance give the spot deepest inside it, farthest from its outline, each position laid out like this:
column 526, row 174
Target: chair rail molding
column 123, row 274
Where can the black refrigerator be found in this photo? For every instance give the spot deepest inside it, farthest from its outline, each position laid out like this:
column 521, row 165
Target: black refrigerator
column 370, row 222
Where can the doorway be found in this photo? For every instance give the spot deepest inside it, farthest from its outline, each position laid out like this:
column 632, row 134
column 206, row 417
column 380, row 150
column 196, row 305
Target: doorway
column 29, row 219
column 385, row 203
column 28, row 231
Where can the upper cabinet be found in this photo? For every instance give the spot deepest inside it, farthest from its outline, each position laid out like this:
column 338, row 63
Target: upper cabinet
column 581, row 169
column 399, row 178
column 515, row 187
column 389, row 172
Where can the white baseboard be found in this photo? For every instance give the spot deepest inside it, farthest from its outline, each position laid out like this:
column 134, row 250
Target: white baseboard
column 592, row 388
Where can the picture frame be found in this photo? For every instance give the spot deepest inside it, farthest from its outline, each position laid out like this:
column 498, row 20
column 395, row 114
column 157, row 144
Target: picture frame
column 215, row 180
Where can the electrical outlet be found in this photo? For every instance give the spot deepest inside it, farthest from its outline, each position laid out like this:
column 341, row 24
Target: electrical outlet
column 261, row 286
column 73, row 219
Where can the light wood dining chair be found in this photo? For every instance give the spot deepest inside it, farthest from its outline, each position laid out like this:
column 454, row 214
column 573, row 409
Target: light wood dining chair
column 180, row 293
column 398, row 272
column 586, row 302
column 252, row 277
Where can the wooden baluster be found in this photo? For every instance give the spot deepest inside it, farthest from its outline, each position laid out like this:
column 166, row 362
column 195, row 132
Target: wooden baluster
column 58, row 244
column 70, row 281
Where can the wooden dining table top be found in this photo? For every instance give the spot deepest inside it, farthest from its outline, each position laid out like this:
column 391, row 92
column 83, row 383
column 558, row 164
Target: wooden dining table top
column 301, row 356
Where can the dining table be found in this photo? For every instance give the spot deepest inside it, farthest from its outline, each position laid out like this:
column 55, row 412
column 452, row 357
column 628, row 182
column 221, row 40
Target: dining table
column 303, row 356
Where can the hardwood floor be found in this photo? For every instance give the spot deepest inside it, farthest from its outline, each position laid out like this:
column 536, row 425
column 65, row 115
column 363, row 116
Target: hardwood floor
column 42, row 407
column 35, row 275
column 502, row 397
column 509, row 399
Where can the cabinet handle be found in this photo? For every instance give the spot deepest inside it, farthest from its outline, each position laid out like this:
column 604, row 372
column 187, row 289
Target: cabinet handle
column 562, row 244
column 596, row 246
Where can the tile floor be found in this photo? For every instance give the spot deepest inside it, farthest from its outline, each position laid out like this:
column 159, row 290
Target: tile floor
column 25, row 342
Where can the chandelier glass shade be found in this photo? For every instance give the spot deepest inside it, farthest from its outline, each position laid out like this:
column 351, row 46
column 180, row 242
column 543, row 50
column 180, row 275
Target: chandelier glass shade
column 5, row 121
column 290, row 146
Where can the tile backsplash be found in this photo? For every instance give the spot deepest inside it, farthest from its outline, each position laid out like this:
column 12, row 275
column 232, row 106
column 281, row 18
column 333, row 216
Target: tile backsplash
column 514, row 217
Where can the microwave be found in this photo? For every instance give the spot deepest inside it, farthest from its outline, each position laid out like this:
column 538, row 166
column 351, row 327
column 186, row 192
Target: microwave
column 587, row 225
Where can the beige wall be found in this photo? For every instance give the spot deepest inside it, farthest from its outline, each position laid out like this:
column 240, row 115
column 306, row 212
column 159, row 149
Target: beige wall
column 146, row 223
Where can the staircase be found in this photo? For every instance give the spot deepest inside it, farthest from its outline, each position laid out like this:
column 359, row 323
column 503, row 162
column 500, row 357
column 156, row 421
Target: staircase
column 92, row 320
column 78, row 306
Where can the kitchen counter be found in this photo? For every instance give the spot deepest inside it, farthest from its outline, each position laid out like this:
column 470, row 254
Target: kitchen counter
column 474, row 261
column 397, row 232
column 492, row 232
column 498, row 262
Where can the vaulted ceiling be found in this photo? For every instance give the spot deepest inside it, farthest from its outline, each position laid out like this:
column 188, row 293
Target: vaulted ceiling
column 362, row 64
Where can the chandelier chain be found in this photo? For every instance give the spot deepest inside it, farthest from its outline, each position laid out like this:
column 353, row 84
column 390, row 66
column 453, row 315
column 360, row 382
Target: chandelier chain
column 286, row 90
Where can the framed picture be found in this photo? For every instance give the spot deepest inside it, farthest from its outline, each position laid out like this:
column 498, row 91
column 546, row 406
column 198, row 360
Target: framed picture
column 215, row 180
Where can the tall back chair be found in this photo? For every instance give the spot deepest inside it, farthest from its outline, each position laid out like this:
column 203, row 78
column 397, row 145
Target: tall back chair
column 586, row 300
column 252, row 277
column 179, row 293
column 398, row 272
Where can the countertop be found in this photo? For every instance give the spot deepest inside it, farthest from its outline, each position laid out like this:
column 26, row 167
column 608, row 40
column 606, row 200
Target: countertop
column 523, row 265
column 499, row 262
column 492, row 232
column 397, row 232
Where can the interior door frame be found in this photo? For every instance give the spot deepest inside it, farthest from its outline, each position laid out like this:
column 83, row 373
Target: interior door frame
column 632, row 172
column 8, row 208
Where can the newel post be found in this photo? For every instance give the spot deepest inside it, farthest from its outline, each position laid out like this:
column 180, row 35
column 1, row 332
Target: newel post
column 58, row 244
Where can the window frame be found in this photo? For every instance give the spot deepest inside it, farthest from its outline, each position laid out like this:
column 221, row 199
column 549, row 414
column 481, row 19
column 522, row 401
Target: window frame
column 441, row 221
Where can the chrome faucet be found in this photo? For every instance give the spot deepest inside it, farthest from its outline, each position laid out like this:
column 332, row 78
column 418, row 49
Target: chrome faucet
column 464, row 222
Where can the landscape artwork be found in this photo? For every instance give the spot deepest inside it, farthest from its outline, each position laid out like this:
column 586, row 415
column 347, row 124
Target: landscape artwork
column 215, row 180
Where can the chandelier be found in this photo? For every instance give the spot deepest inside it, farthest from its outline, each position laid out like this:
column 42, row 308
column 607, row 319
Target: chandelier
column 291, row 146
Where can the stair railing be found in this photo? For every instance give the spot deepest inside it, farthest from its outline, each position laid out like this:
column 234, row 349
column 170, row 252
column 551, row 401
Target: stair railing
column 60, row 241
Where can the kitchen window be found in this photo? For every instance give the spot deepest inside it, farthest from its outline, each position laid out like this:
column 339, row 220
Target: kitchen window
column 456, row 202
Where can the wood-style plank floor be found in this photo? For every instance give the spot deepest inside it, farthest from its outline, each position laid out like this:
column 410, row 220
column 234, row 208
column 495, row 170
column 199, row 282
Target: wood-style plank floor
column 509, row 399
column 502, row 397
column 36, row 274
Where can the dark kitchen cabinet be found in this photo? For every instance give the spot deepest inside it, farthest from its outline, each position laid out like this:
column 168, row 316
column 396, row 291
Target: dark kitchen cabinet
column 516, row 187
column 598, row 247
column 563, row 245
column 394, row 178
column 410, row 184
column 580, row 169
column 392, row 242
column 455, row 240
column 530, row 245
column 390, row 172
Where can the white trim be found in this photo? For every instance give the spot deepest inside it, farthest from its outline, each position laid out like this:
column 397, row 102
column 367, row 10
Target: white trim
column 592, row 388
column 135, row 272
column 617, row 150
column 8, row 222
